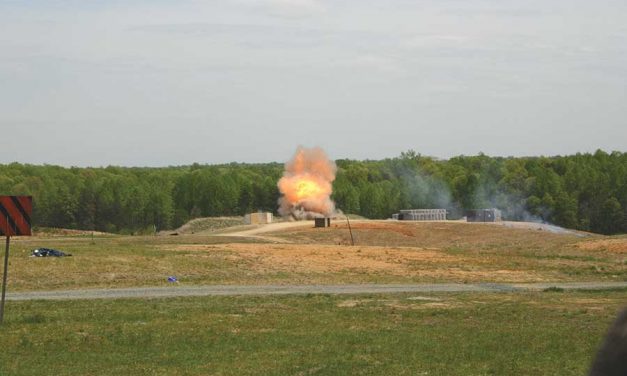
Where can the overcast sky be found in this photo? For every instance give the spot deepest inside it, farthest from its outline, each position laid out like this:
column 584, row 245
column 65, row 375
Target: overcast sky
column 158, row 83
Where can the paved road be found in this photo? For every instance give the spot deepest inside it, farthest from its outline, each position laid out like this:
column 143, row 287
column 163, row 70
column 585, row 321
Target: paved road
column 227, row 290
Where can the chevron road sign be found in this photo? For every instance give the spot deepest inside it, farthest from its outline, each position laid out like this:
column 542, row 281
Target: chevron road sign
column 15, row 220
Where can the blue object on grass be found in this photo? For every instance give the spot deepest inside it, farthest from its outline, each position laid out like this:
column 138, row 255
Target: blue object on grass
column 172, row 279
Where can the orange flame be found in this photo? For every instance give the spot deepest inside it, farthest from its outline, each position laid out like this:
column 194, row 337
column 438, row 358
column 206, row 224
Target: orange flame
column 306, row 185
column 307, row 188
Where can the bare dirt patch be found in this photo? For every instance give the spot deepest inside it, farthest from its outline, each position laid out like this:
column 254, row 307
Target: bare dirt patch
column 393, row 227
column 325, row 258
column 425, row 298
column 458, row 274
column 581, row 304
column 611, row 245
column 351, row 303
column 400, row 304
column 332, row 259
column 260, row 231
column 428, row 234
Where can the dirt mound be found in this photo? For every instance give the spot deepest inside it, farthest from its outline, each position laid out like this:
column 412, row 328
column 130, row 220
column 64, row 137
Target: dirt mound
column 53, row 231
column 208, row 224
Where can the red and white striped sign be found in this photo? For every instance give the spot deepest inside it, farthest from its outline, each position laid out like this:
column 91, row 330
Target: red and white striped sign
column 15, row 213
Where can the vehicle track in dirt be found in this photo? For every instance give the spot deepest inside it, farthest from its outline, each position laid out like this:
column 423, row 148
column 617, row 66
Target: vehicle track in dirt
column 260, row 231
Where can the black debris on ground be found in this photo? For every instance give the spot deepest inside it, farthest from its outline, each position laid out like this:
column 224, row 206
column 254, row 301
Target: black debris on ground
column 47, row 252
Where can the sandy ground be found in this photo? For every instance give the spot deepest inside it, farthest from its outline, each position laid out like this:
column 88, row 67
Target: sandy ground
column 305, row 259
column 611, row 245
column 261, row 231
column 541, row 227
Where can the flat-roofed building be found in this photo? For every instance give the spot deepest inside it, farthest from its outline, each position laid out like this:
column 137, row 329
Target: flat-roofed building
column 421, row 215
column 258, row 218
column 483, row 215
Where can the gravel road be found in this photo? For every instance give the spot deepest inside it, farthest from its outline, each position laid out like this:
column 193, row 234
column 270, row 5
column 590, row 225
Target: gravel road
column 233, row 290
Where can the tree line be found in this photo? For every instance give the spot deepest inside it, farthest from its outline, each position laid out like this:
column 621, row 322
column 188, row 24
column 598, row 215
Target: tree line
column 582, row 191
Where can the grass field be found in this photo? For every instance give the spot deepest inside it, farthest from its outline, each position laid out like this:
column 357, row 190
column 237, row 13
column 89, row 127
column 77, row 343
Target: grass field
column 545, row 333
column 541, row 333
column 384, row 253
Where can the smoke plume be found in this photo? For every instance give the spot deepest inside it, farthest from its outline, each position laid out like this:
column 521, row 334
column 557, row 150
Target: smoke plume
column 306, row 185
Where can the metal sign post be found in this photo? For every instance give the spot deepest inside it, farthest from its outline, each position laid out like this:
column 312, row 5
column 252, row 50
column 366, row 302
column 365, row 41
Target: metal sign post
column 15, row 212
column 4, row 279
column 350, row 230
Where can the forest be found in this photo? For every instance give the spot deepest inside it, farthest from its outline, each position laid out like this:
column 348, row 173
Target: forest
column 582, row 191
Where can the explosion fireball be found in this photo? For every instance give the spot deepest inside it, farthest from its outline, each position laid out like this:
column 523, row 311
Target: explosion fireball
column 306, row 185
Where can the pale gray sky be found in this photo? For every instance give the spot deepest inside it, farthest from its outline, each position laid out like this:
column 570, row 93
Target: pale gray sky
column 157, row 83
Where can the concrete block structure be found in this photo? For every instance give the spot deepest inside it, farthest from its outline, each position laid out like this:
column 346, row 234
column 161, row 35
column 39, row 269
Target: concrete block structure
column 258, row 218
column 421, row 215
column 483, row 215
column 322, row 222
